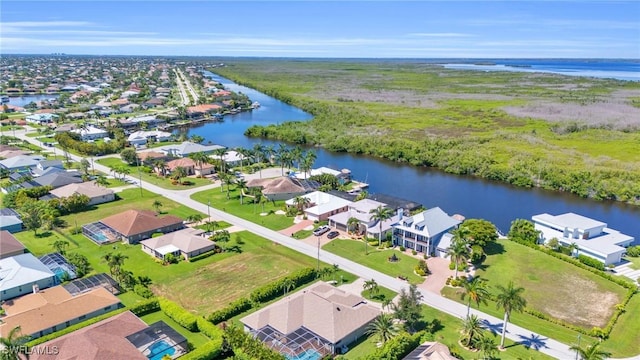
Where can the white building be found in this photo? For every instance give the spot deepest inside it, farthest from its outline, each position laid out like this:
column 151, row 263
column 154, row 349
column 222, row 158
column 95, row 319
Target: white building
column 140, row 137
column 322, row 205
column 41, row 118
column 361, row 210
column 592, row 237
column 425, row 231
column 91, row 133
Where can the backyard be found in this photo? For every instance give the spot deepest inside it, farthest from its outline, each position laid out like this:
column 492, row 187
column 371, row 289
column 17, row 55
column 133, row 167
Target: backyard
column 376, row 259
column 262, row 214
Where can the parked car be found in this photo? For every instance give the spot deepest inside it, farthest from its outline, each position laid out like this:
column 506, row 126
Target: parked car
column 332, row 234
column 321, row 230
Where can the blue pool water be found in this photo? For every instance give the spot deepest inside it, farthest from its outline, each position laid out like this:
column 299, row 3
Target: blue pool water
column 160, row 349
column 306, row 355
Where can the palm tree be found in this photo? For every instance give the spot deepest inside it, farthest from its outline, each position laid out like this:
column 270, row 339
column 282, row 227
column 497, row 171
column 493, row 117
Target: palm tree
column 160, row 166
column 381, row 214
column 353, row 225
column 575, row 249
column 258, row 152
column 220, row 153
column 371, row 286
column 270, row 150
column 386, row 303
column 288, row 284
column 200, row 159
column 475, row 290
column 591, row 352
column 459, row 253
column 301, row 203
column 157, row 205
column 296, row 155
column 471, row 331
column 102, row 180
column 229, row 180
column 509, row 299
column 178, row 173
column 308, row 159
column 13, row 345
column 115, row 262
column 487, row 346
column 61, row 246
column 383, row 328
column 241, row 154
column 241, row 184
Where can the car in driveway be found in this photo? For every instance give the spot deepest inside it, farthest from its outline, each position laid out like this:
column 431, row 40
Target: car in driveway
column 332, row 235
column 321, row 230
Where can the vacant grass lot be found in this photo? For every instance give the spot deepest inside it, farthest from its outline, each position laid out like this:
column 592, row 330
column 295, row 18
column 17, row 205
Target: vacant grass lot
column 377, row 259
column 152, row 178
column 624, row 340
column 247, row 210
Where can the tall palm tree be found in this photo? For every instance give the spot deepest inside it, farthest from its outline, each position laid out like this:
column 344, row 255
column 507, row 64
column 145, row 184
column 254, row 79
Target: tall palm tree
column 241, row 154
column 381, row 214
column 509, row 299
column 270, row 150
column 200, row 159
column 102, row 180
column 258, row 153
column 160, row 167
column 475, row 290
column 301, row 203
column 459, row 253
column 178, row 173
column 296, row 155
column 241, row 184
column 383, row 328
column 353, row 225
column 371, row 286
column 115, row 262
column 287, row 285
column 308, row 159
column 220, row 154
column 471, row 331
column 157, row 204
column 591, row 352
column 12, row 346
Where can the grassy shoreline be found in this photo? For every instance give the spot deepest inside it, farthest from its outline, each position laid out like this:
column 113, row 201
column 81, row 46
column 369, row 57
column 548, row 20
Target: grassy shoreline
column 460, row 122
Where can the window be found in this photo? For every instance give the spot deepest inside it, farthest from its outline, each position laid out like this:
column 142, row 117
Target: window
column 107, row 308
column 82, row 317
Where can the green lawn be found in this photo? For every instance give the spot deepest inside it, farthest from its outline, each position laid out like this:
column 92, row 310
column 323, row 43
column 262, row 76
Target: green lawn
column 247, row 210
column 115, row 183
column 635, row 262
column 152, row 178
column 197, row 339
column 377, row 259
column 381, row 295
column 624, row 340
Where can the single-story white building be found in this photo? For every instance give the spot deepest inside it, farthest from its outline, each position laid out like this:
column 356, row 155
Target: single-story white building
column 91, row 133
column 592, row 237
column 322, row 205
column 186, row 243
column 45, row 118
column 141, row 137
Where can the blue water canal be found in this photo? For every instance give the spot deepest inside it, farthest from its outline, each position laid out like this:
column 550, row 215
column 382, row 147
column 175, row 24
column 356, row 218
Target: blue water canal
column 469, row 196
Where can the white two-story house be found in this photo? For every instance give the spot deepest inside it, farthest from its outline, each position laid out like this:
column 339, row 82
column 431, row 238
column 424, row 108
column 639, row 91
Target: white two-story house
column 423, row 232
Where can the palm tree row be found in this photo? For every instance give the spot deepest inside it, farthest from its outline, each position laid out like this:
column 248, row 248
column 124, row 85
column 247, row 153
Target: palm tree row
column 283, row 156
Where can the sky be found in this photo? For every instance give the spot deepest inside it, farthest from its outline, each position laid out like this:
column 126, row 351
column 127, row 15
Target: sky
column 358, row 29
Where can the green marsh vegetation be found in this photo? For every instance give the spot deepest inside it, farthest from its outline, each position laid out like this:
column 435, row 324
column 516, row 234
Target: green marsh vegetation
column 571, row 134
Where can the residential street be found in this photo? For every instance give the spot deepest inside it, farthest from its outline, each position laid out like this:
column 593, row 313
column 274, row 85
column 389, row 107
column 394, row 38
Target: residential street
column 515, row 333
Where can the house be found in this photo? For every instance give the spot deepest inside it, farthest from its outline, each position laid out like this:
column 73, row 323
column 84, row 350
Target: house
column 10, row 220
column 344, row 176
column 91, row 133
column 18, row 275
column 430, row 350
column 187, row 147
column 135, row 225
column 9, row 245
column 319, row 317
column 199, row 110
column 42, row 118
column 140, row 137
column 46, row 166
column 21, row 163
column 233, row 158
column 97, row 194
column 57, row 179
column 283, row 188
column 422, row 232
column 46, row 311
column 322, row 205
column 361, row 210
column 190, row 167
column 186, row 243
column 593, row 237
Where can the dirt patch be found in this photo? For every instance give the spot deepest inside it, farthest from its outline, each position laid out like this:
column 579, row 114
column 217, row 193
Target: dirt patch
column 580, row 302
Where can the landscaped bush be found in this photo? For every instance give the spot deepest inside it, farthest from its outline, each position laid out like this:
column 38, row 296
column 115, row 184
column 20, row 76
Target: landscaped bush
column 413, row 252
column 76, row 231
column 633, row 251
column 143, row 291
column 186, row 319
column 237, row 307
column 243, row 342
column 146, row 307
column 397, row 347
column 208, row 329
column 422, row 269
column 589, row 261
column 207, row 351
column 202, row 256
column 274, row 289
column 402, row 248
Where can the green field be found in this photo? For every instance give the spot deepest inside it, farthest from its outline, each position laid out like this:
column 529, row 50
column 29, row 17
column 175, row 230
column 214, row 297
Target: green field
column 376, row 259
column 556, row 132
column 247, row 210
column 152, row 178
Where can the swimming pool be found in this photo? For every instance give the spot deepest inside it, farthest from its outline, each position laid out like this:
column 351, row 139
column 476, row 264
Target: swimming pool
column 160, row 349
column 306, row 355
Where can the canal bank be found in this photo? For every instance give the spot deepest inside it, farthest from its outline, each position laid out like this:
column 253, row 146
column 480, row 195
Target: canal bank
column 473, row 197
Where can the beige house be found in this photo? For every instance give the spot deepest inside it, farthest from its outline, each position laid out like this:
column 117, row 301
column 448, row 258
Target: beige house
column 191, row 167
column 281, row 188
column 319, row 318
column 187, row 243
column 135, row 225
column 430, row 350
column 97, row 194
column 53, row 309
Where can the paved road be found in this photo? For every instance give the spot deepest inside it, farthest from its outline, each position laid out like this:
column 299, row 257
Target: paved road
column 518, row 334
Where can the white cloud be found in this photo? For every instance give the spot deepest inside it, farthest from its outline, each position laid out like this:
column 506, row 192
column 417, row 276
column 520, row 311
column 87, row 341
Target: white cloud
column 443, row 35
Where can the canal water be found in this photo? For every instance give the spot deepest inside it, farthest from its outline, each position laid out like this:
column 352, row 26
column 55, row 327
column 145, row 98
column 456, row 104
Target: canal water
column 469, row 196
column 24, row 100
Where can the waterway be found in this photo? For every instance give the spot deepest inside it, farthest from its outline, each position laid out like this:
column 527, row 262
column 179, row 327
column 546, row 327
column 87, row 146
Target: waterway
column 469, row 196
column 24, row 100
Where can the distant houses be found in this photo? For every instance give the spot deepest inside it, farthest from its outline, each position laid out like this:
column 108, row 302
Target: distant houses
column 186, row 148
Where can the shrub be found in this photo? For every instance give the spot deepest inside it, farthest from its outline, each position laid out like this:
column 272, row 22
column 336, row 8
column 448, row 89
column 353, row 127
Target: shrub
column 207, row 351
column 208, row 329
column 413, row 252
column 146, row 307
column 143, row 291
column 202, row 256
column 402, row 248
column 589, row 261
column 186, row 319
column 274, row 289
column 398, row 347
column 236, row 307
column 633, row 251
column 171, row 259
column 76, row 231
column 419, row 271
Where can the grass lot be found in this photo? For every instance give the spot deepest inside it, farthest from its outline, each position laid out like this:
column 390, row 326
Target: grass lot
column 587, row 299
column 152, row 178
column 221, row 225
column 247, row 211
column 115, row 183
column 382, row 294
column 197, row 339
column 214, row 284
column 624, row 340
column 377, row 259
column 635, row 262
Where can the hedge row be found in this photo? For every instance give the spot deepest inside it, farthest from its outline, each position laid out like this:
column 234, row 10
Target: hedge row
column 618, row 280
column 274, row 289
column 146, row 307
column 253, row 348
column 74, row 327
column 263, row 294
column 143, row 291
column 589, row 261
column 209, row 330
column 207, row 351
column 202, row 256
column 186, row 319
column 398, row 347
column 237, row 307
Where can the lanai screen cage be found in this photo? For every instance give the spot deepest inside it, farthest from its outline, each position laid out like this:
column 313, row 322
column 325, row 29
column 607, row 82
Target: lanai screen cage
column 301, row 341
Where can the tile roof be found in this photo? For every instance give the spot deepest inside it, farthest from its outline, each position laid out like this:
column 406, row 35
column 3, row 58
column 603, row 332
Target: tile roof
column 91, row 189
column 187, row 240
column 9, row 244
column 133, row 222
column 279, row 185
